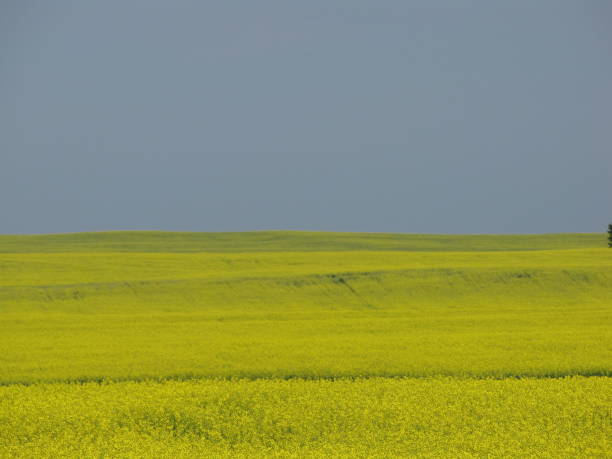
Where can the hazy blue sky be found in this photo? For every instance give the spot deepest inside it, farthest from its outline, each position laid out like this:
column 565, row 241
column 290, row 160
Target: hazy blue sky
column 404, row 116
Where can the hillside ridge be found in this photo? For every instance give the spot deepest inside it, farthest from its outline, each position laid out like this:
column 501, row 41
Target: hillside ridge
column 307, row 241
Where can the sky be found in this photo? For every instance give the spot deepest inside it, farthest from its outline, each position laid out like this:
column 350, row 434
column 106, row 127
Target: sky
column 381, row 116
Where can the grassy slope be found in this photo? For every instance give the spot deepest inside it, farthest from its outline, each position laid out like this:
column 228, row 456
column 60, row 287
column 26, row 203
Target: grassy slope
column 133, row 315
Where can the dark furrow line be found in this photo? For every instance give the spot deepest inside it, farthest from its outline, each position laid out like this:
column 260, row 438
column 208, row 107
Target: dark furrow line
column 188, row 377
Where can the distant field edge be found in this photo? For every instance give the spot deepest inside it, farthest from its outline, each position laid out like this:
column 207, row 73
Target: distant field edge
column 266, row 241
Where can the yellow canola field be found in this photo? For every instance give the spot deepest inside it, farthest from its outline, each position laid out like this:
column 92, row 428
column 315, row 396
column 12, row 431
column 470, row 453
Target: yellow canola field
column 171, row 345
column 380, row 417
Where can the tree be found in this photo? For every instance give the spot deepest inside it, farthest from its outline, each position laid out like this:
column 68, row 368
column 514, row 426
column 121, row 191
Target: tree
column 610, row 235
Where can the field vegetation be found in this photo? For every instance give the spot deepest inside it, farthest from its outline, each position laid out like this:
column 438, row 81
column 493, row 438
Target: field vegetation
column 296, row 344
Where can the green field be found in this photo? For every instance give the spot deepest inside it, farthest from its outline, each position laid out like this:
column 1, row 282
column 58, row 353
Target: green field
column 297, row 344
